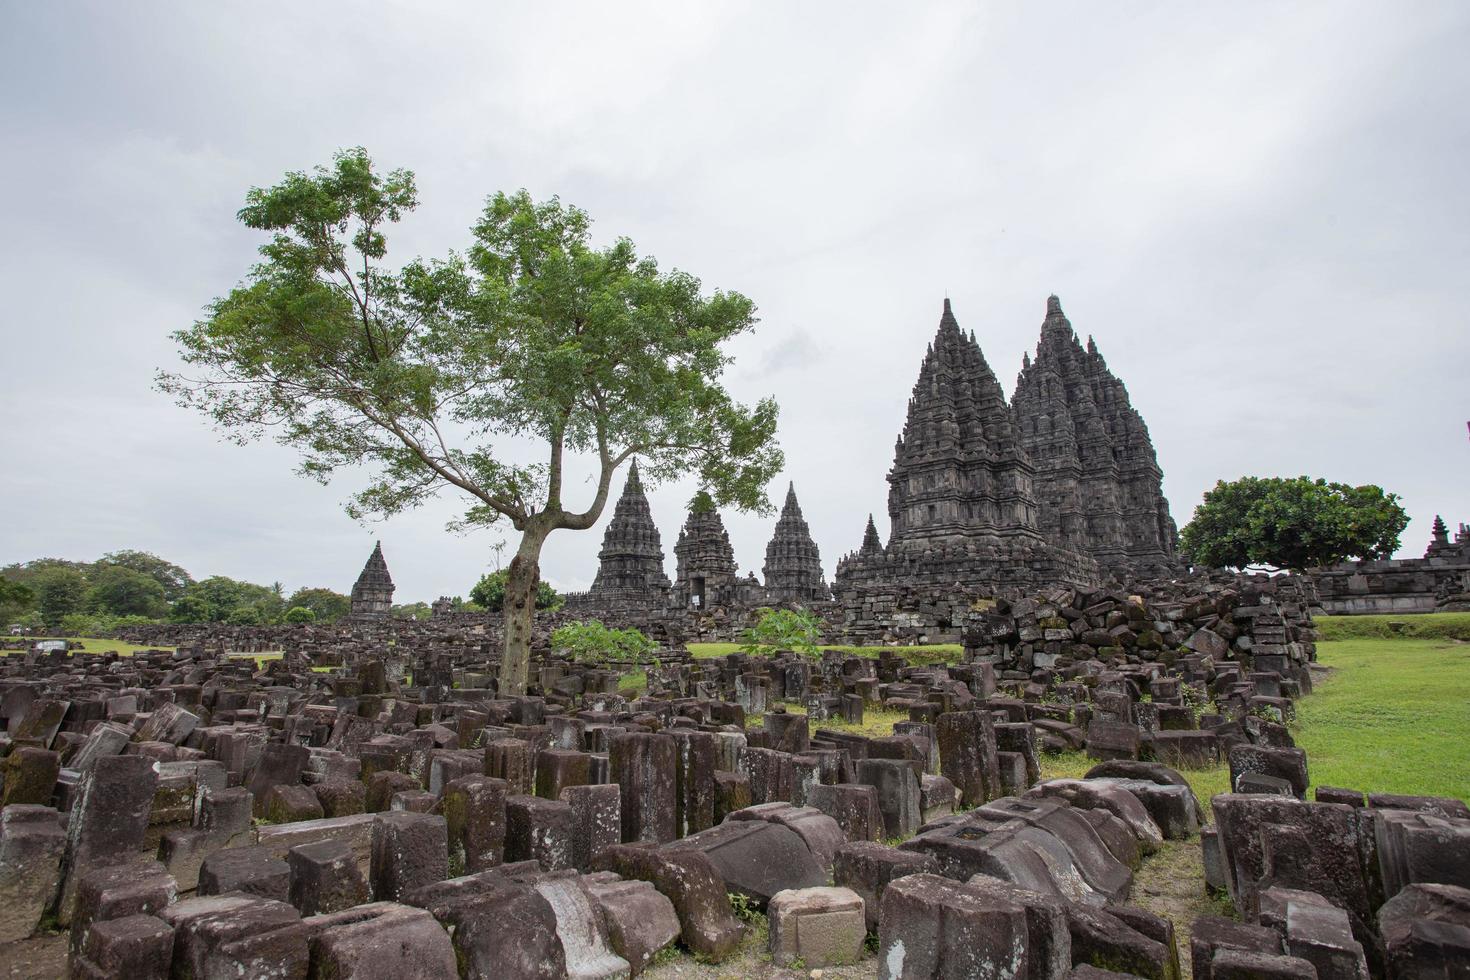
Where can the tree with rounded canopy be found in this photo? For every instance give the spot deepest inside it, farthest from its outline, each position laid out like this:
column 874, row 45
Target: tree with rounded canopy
column 426, row 374
column 299, row 614
column 118, row 590
column 489, row 592
column 173, row 578
column 1294, row 522
column 60, row 592
column 326, row 605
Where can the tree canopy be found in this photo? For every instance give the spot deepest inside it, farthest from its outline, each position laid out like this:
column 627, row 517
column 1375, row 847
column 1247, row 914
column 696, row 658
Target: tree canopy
column 489, row 592
column 1294, row 522
column 424, row 376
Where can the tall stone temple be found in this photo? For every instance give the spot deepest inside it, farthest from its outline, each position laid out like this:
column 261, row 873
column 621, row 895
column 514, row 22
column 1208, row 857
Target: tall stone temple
column 630, row 568
column 986, row 494
column 706, row 574
column 1097, row 479
column 372, row 593
column 793, row 569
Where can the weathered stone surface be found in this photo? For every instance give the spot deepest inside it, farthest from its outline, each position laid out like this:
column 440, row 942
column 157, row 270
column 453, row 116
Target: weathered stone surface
column 108, row 820
column 249, row 870
column 818, row 926
column 756, row 859
column 933, row 927
column 640, row 920
column 867, row 868
column 580, row 929
column 690, row 880
column 325, row 878
column 31, row 848
column 409, row 850
column 643, row 766
column 500, row 927
column 382, row 941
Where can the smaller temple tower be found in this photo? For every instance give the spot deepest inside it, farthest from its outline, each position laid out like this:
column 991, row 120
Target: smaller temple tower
column 631, row 563
column 793, row 569
column 706, row 574
column 372, row 594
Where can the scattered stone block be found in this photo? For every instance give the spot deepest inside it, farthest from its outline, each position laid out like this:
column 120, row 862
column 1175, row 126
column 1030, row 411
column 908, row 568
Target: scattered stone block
column 409, row 850
column 249, row 870
column 31, row 849
column 819, row 926
column 325, row 878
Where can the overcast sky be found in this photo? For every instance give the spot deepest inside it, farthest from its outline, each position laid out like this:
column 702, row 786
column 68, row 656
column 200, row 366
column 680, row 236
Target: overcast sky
column 1258, row 209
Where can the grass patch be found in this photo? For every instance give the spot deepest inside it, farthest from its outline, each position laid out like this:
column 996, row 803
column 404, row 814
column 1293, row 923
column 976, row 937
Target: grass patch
column 90, row 644
column 1422, row 626
column 1391, row 717
column 876, row 722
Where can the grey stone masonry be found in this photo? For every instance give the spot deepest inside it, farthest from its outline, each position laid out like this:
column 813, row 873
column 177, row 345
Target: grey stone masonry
column 1098, row 482
column 793, row 570
column 372, row 593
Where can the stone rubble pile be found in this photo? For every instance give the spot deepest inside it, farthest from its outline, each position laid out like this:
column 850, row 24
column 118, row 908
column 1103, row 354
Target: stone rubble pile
column 187, row 814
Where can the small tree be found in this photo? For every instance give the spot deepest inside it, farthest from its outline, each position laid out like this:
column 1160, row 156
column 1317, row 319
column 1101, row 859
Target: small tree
column 426, row 373
column 783, row 629
column 60, row 592
column 489, row 592
column 591, row 640
column 1291, row 523
column 299, row 614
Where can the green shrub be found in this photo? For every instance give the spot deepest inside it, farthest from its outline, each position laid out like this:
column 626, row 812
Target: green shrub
column 591, row 640
column 783, row 629
column 300, row 614
column 489, row 593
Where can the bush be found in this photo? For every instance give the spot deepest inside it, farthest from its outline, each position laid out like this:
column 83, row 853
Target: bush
column 300, row 614
column 79, row 624
column 489, row 593
column 594, row 641
column 783, row 629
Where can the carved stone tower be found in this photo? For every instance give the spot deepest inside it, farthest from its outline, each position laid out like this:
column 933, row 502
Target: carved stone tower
column 793, row 570
column 372, row 594
column 631, row 562
column 1098, row 482
column 706, row 574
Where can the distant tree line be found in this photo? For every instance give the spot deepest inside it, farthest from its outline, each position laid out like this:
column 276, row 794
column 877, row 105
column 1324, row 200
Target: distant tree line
column 126, row 588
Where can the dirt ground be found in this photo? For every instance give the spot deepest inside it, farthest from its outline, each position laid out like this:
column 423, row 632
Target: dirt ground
column 41, row 957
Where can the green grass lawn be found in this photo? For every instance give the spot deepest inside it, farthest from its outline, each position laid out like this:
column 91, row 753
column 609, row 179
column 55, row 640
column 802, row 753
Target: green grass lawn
column 1393, row 716
column 93, row 644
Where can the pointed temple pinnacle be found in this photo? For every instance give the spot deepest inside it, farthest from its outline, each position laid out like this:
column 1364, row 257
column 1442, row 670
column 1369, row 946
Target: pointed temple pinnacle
column 1053, row 305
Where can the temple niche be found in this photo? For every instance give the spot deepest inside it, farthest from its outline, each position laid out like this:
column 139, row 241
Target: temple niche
column 372, row 593
column 793, row 569
column 630, row 566
column 962, row 505
column 1097, row 479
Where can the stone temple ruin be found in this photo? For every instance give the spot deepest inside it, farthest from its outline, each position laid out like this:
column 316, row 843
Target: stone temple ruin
column 372, row 593
column 1438, row 582
column 366, row 806
column 1061, row 486
column 363, row 803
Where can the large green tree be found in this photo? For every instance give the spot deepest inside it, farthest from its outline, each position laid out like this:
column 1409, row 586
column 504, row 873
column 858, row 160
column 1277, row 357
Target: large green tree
column 1291, row 522
column 427, row 375
column 120, row 591
column 60, row 592
column 327, row 606
column 173, row 578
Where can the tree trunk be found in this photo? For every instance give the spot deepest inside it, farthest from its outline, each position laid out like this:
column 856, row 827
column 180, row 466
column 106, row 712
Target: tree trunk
column 520, row 610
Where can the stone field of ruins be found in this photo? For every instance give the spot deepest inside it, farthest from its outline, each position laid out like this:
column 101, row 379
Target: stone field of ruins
column 1024, row 718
